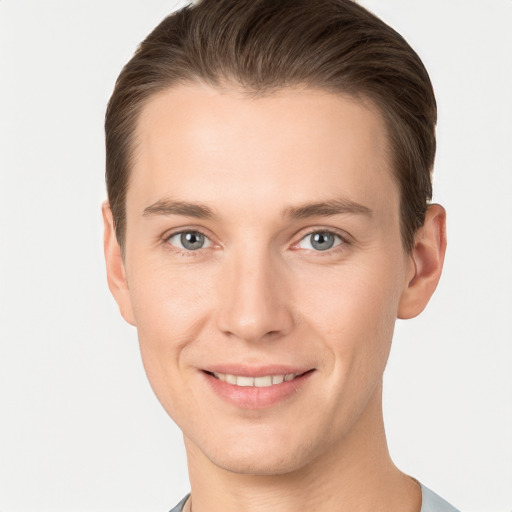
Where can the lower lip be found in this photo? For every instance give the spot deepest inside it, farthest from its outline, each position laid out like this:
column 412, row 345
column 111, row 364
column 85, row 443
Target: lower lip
column 252, row 397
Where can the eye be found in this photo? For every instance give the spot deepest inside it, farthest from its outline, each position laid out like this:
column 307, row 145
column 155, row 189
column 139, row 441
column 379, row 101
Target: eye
column 320, row 241
column 189, row 240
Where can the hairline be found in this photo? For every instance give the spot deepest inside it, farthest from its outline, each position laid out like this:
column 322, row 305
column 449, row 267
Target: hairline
column 230, row 86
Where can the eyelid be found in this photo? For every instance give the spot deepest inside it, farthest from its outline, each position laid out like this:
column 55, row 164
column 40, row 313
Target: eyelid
column 187, row 229
column 177, row 235
column 342, row 235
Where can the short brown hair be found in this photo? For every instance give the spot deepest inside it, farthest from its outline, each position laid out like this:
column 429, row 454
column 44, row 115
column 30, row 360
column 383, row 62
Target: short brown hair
column 267, row 45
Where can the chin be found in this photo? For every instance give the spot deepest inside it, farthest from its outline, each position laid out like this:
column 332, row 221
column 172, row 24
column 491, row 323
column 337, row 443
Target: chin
column 258, row 464
column 261, row 457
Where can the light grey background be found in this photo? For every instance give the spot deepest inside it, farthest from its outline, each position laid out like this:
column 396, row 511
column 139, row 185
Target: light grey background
column 79, row 427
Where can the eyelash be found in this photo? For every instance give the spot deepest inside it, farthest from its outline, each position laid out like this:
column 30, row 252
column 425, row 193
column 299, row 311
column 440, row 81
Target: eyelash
column 342, row 246
column 178, row 250
column 191, row 253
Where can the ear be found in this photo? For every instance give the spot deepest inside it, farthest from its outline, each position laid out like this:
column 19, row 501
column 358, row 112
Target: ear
column 427, row 258
column 116, row 273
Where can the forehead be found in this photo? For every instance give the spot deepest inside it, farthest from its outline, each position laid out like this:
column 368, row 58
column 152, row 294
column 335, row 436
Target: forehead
column 294, row 145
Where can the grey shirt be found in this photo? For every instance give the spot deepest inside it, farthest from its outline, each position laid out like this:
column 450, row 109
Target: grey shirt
column 430, row 502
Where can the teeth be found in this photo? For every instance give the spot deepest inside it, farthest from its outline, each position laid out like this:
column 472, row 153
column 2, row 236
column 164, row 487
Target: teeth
column 245, row 381
column 230, row 379
column 277, row 379
column 263, row 382
column 259, row 382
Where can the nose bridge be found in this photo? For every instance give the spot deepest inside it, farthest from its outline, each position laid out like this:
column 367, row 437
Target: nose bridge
column 253, row 303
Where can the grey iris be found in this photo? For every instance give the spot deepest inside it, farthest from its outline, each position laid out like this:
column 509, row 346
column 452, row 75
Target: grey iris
column 322, row 241
column 192, row 240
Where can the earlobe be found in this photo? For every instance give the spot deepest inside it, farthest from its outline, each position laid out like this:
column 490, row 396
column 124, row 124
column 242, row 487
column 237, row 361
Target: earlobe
column 116, row 274
column 427, row 258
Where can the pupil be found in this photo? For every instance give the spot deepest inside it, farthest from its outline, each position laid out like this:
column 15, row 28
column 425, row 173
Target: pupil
column 322, row 241
column 192, row 240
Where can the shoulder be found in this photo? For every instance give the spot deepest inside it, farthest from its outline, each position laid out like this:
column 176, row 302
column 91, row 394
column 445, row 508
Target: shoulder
column 431, row 502
column 179, row 506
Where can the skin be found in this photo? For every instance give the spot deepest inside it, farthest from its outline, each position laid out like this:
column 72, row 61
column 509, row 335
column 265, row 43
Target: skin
column 259, row 293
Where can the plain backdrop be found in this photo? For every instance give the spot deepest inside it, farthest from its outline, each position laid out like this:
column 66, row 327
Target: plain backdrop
column 80, row 429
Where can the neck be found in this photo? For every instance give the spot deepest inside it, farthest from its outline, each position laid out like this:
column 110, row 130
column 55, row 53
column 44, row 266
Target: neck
column 356, row 475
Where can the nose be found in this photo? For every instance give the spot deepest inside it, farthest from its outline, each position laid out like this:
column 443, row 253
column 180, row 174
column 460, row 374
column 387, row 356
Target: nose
column 254, row 299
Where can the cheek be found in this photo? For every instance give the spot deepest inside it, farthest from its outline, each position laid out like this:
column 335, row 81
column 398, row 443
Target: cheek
column 355, row 310
column 168, row 297
column 171, row 306
column 353, row 315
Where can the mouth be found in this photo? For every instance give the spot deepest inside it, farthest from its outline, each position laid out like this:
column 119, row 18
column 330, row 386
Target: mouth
column 264, row 381
column 264, row 390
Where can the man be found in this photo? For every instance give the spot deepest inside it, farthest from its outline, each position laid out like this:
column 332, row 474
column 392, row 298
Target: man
column 268, row 175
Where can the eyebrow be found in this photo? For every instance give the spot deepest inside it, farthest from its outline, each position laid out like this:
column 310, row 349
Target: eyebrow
column 328, row 209
column 168, row 207
column 200, row 211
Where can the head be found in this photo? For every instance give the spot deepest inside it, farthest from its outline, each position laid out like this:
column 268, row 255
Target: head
column 263, row 46
column 268, row 172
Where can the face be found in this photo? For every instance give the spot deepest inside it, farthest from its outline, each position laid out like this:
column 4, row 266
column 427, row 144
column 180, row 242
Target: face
column 264, row 270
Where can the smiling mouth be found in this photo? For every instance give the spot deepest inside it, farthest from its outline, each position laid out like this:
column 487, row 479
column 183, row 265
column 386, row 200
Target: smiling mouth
column 264, row 381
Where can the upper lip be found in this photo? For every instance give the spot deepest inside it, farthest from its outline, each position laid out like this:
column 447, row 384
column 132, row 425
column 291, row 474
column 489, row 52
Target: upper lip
column 244, row 370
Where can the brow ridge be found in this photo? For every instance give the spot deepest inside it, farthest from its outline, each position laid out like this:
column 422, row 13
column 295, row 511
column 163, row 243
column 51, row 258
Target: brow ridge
column 169, row 207
column 200, row 211
column 328, row 209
